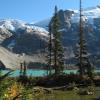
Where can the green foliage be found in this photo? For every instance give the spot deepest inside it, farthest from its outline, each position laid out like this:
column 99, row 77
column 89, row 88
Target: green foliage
column 10, row 88
column 56, row 53
column 6, row 83
column 81, row 54
column 26, row 94
column 2, row 77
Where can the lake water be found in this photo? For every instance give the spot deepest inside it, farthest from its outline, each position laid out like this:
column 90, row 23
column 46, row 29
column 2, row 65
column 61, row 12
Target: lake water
column 39, row 72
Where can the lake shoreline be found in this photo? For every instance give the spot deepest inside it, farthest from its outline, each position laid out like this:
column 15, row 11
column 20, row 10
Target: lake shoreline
column 39, row 72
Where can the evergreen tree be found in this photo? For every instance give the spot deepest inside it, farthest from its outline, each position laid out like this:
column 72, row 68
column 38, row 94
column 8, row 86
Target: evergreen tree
column 21, row 69
column 82, row 57
column 85, row 67
column 24, row 68
column 58, row 54
column 90, row 69
column 49, row 52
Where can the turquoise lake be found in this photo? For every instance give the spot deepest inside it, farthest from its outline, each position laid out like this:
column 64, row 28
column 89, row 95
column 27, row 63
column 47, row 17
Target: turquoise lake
column 38, row 72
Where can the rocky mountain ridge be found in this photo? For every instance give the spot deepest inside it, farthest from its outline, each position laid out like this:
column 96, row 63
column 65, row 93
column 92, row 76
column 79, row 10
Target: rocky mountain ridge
column 31, row 39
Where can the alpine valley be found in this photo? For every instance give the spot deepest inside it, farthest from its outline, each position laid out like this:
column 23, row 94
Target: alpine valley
column 21, row 41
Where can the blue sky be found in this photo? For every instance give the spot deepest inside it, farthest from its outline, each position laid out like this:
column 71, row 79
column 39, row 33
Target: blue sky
column 36, row 10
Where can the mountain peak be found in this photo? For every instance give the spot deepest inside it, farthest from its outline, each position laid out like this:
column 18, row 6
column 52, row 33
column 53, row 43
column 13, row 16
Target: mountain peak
column 11, row 24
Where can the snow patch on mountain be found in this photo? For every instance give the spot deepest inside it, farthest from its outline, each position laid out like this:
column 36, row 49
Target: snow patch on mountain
column 7, row 25
column 13, row 25
column 41, row 30
column 92, row 12
column 37, row 29
column 88, row 14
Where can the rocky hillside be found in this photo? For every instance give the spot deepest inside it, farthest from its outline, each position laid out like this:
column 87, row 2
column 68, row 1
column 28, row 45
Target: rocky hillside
column 12, row 60
column 18, row 38
column 21, row 37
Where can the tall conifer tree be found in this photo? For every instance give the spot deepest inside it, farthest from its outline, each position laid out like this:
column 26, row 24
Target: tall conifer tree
column 55, row 54
column 85, row 67
column 57, row 45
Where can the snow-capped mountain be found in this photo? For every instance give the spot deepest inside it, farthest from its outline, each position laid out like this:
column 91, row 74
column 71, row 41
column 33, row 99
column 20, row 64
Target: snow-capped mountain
column 10, row 26
column 22, row 37
column 14, row 25
column 88, row 15
column 69, row 26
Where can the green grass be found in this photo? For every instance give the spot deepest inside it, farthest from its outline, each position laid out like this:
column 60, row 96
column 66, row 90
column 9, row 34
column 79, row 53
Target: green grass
column 69, row 95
